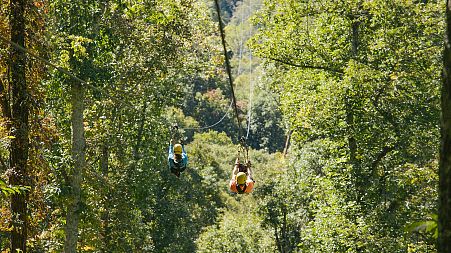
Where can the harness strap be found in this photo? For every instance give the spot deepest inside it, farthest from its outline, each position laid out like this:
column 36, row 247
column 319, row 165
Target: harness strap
column 239, row 190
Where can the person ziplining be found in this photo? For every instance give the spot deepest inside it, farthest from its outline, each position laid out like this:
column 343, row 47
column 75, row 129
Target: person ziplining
column 242, row 180
column 177, row 157
column 242, row 177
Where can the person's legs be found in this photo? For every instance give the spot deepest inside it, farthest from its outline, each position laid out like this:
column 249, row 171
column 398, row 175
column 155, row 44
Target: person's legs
column 175, row 172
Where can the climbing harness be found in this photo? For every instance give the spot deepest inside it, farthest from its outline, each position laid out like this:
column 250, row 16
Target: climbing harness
column 241, row 190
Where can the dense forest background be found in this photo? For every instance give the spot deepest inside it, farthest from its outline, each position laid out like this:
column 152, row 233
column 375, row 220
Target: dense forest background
column 340, row 101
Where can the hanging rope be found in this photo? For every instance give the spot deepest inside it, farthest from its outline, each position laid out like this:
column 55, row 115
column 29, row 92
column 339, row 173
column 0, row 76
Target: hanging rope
column 240, row 45
column 249, row 109
column 251, row 83
column 240, row 60
column 228, row 68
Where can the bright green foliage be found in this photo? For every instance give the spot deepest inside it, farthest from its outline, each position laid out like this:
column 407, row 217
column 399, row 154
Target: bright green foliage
column 360, row 81
column 6, row 190
column 236, row 233
column 239, row 227
column 356, row 81
column 135, row 56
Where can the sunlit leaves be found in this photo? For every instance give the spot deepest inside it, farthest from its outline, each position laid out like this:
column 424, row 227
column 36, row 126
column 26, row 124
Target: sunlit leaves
column 356, row 73
column 7, row 190
column 139, row 56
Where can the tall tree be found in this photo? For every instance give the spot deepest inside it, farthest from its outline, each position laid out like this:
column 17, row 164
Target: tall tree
column 444, row 236
column 19, row 126
column 76, row 175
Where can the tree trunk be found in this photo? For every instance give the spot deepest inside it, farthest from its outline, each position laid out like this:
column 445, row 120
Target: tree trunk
column 444, row 220
column 139, row 135
column 75, row 176
column 105, row 232
column 284, row 230
column 278, row 242
column 352, row 143
column 19, row 127
column 287, row 143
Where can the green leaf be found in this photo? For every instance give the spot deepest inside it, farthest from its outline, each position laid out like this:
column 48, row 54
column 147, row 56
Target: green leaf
column 422, row 226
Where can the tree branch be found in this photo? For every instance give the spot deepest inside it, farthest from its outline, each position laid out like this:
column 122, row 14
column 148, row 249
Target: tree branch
column 381, row 155
column 336, row 71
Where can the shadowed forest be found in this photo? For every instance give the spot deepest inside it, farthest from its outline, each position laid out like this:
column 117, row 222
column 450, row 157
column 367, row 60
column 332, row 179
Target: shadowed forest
column 343, row 104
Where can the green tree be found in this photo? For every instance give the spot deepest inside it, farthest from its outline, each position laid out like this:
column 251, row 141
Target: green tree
column 347, row 75
column 136, row 56
column 444, row 220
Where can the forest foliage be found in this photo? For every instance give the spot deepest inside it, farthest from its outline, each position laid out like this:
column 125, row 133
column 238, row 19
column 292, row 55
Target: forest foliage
column 353, row 86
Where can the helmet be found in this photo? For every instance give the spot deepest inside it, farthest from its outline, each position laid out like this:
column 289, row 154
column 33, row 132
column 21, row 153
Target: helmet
column 177, row 149
column 241, row 178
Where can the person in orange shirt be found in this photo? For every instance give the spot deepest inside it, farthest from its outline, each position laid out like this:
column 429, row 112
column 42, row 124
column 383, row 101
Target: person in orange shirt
column 242, row 181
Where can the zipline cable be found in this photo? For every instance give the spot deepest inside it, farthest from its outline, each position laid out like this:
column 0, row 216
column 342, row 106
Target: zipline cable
column 104, row 92
column 212, row 125
column 249, row 108
column 228, row 68
column 240, row 46
column 251, row 83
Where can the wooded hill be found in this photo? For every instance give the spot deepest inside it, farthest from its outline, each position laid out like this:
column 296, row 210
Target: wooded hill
column 339, row 101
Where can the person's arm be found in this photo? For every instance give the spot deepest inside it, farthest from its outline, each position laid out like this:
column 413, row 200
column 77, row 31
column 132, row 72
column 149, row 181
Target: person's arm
column 170, row 155
column 185, row 160
column 234, row 171
column 232, row 185
column 184, row 156
column 171, row 150
column 249, row 186
column 250, row 174
column 236, row 167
